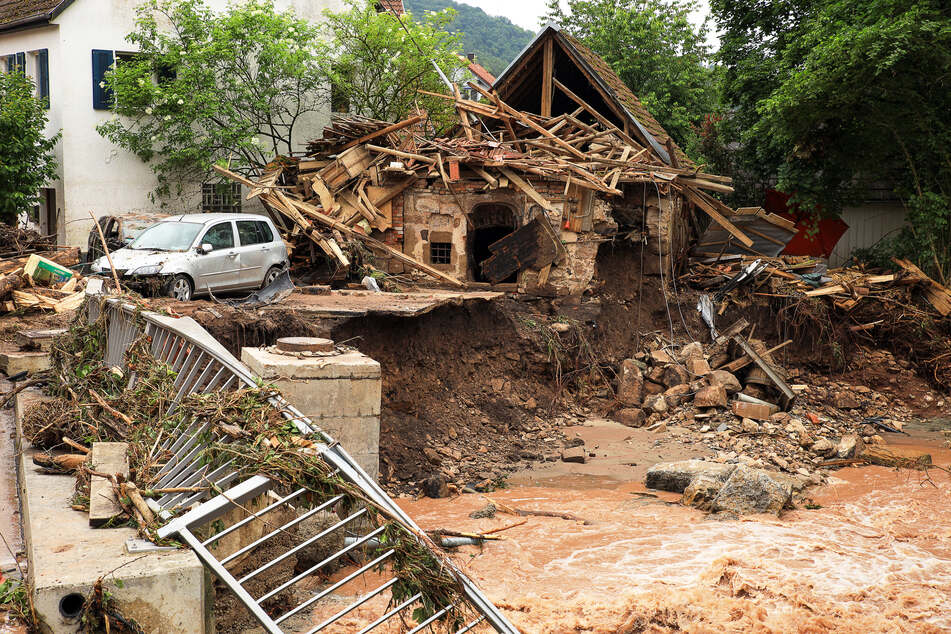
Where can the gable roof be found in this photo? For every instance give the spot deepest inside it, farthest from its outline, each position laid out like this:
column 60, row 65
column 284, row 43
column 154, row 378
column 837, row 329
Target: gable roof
column 16, row 14
column 621, row 96
column 478, row 70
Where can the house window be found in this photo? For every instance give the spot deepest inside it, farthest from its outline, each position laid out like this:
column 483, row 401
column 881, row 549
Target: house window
column 221, row 197
column 34, row 64
column 440, row 252
column 102, row 62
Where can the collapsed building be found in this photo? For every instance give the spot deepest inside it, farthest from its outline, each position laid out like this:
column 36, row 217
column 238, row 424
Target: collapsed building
column 558, row 158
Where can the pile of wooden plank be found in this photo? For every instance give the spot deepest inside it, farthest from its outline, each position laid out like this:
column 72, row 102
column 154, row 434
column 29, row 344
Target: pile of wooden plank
column 800, row 276
column 25, row 285
column 342, row 190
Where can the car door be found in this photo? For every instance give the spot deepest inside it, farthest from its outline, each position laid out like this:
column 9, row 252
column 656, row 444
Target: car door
column 253, row 253
column 219, row 269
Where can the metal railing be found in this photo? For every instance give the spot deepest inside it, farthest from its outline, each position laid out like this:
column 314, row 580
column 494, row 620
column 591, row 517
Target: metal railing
column 203, row 365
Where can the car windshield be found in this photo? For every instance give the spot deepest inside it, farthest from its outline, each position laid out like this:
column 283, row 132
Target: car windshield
column 167, row 236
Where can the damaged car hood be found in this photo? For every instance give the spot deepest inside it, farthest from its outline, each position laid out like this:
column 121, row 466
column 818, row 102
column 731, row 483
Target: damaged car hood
column 131, row 260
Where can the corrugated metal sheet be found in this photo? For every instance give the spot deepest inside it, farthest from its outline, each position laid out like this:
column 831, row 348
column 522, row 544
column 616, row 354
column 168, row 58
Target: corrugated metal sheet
column 867, row 225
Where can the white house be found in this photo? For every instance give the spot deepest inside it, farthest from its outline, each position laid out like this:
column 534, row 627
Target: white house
column 66, row 46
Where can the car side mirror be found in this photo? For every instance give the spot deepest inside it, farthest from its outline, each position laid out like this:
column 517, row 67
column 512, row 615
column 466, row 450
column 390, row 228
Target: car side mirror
column 205, row 248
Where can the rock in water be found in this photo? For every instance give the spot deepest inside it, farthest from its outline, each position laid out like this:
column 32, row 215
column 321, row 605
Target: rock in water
column 676, row 476
column 752, row 491
column 701, row 491
column 436, row 487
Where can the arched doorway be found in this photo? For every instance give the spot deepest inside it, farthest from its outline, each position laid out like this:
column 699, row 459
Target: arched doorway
column 489, row 223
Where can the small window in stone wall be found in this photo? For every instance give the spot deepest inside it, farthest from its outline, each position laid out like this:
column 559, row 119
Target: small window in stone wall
column 440, row 253
column 221, row 197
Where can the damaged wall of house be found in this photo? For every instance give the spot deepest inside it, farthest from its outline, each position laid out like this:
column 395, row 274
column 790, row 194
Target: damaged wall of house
column 458, row 240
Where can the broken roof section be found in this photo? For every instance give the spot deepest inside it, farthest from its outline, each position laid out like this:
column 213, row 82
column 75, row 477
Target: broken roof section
column 536, row 81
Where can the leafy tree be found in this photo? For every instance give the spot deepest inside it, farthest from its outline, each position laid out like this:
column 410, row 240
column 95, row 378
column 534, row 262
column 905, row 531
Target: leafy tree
column 380, row 62
column 494, row 40
column 831, row 95
column 655, row 50
column 234, row 86
column 27, row 161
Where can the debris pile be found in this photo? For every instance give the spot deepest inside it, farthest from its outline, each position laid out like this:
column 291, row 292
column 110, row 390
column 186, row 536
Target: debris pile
column 835, row 311
column 344, row 189
column 731, row 405
column 16, row 241
column 93, row 404
column 41, row 281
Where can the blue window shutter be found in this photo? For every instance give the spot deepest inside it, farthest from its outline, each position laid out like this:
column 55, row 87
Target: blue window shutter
column 21, row 62
column 11, row 60
column 43, row 75
column 101, row 61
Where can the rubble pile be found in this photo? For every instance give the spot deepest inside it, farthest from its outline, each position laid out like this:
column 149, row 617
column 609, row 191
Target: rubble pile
column 835, row 311
column 687, row 393
column 329, row 202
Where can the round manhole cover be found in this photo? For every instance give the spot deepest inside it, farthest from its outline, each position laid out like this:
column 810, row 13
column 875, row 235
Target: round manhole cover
column 305, row 344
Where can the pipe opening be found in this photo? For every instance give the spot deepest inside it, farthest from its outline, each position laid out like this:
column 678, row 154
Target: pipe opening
column 71, row 606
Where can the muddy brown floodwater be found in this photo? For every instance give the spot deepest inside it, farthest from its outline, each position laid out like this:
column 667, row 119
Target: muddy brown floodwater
column 875, row 558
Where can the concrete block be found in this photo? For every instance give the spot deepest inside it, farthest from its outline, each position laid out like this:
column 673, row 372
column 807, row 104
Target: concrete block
column 16, row 362
column 164, row 591
column 39, row 339
column 111, row 458
column 348, row 365
column 341, row 394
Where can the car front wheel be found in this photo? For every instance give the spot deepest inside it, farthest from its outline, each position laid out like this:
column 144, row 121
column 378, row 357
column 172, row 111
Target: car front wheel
column 180, row 288
column 272, row 274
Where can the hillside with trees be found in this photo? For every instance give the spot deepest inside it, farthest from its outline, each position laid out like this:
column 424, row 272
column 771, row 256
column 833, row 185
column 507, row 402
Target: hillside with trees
column 494, row 40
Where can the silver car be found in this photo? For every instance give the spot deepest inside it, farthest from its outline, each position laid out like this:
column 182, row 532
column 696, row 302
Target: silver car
column 191, row 254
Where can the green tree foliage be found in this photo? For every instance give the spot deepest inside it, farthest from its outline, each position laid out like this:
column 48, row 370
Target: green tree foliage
column 27, row 162
column 233, row 86
column 831, row 95
column 494, row 40
column 380, row 62
column 656, row 51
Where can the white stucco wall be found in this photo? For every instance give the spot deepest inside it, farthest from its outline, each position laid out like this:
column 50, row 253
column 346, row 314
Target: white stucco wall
column 867, row 225
column 96, row 175
column 33, row 40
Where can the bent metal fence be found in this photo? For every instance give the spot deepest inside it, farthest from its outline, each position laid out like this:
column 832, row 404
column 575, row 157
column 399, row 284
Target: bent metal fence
column 203, row 365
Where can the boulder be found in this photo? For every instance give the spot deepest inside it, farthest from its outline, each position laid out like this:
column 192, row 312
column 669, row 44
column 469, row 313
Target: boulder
column 661, row 356
column 749, row 425
column 675, row 395
column 630, row 386
column 711, row 396
column 846, row 400
column 656, row 403
column 752, row 491
column 631, row 416
column 693, row 350
column 676, row 476
column 675, row 375
column 436, row 487
column 653, row 388
column 697, row 366
column 701, row 491
column 823, row 446
column 574, row 454
column 850, row 445
column 729, row 382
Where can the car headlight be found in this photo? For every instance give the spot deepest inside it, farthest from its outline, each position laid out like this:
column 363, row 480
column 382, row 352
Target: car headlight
column 146, row 270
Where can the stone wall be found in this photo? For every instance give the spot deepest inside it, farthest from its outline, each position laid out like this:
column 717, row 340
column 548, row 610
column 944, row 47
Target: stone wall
column 429, row 212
